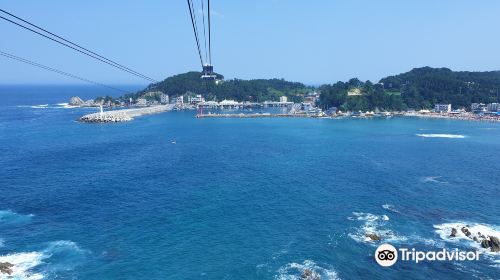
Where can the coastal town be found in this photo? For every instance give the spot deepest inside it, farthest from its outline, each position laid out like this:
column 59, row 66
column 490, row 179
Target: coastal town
column 309, row 108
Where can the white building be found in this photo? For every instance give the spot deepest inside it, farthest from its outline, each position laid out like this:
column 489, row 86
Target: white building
column 142, row 102
column 196, row 99
column 442, row 108
column 228, row 103
column 179, row 100
column 164, row 98
column 283, row 99
column 493, row 107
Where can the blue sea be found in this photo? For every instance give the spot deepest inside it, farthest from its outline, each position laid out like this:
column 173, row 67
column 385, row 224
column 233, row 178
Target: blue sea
column 238, row 198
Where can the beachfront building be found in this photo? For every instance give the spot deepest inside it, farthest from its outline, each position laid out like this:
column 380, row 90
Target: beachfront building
column 442, row 108
column 312, row 97
column 164, row 98
column 196, row 99
column 478, row 107
column 228, row 103
column 179, row 100
column 493, row 107
column 306, row 106
column 283, row 99
column 208, row 104
column 142, row 102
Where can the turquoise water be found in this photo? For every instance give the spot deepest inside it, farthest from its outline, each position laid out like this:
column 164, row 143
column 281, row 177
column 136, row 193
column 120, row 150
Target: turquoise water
column 237, row 198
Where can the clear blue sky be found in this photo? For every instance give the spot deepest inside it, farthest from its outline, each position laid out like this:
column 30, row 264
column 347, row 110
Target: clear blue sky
column 308, row 41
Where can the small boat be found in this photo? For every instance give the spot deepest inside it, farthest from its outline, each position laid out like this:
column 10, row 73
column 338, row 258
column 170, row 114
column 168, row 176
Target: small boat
column 173, row 142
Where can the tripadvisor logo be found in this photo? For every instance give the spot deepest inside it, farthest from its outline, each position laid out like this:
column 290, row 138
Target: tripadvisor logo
column 387, row 255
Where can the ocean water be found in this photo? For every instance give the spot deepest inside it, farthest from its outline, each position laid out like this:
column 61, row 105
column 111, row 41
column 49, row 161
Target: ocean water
column 237, row 198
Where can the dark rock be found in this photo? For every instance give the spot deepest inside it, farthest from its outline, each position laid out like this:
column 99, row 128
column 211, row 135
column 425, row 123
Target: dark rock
column 494, row 244
column 466, row 231
column 6, row 268
column 453, row 232
column 475, row 239
column 309, row 275
column 485, row 243
column 373, row 236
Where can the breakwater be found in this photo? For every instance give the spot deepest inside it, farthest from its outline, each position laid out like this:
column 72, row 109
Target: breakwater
column 124, row 115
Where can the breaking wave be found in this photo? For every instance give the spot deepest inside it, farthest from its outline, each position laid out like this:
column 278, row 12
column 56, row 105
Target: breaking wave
column 23, row 263
column 476, row 229
column 306, row 270
column 438, row 135
column 49, row 106
column 373, row 224
column 57, row 256
column 379, row 225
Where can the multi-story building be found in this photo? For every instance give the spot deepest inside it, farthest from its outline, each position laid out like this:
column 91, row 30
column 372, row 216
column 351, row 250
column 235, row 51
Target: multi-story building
column 478, row 107
column 179, row 100
column 442, row 108
column 142, row 102
column 283, row 99
column 164, row 98
column 493, row 107
column 196, row 99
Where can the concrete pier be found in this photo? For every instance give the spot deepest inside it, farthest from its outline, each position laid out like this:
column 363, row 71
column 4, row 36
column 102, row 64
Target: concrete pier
column 124, row 115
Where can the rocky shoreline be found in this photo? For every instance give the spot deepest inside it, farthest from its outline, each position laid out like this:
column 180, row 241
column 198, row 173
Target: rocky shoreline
column 124, row 115
column 487, row 242
column 6, row 268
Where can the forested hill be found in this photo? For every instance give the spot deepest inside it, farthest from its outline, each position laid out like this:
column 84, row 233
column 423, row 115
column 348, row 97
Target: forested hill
column 258, row 90
column 417, row 89
column 423, row 87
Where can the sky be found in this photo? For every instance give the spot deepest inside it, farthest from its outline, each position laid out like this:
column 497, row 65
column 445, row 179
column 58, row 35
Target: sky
column 313, row 41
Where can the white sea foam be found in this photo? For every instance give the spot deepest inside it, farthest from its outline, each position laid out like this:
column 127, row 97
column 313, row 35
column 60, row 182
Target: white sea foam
column 376, row 224
column 49, row 106
column 390, row 207
column 439, row 135
column 66, row 106
column 294, row 271
column 433, row 179
column 23, row 264
column 9, row 216
column 57, row 256
column 41, row 106
column 444, row 231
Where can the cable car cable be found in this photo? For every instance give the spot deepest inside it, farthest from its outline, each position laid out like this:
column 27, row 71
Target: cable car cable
column 86, row 52
column 189, row 2
column 204, row 29
column 23, row 60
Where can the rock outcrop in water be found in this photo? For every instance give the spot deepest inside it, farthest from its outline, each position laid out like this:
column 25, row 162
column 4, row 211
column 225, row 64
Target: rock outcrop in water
column 76, row 101
column 490, row 242
column 494, row 244
column 6, row 268
column 309, row 275
column 373, row 236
